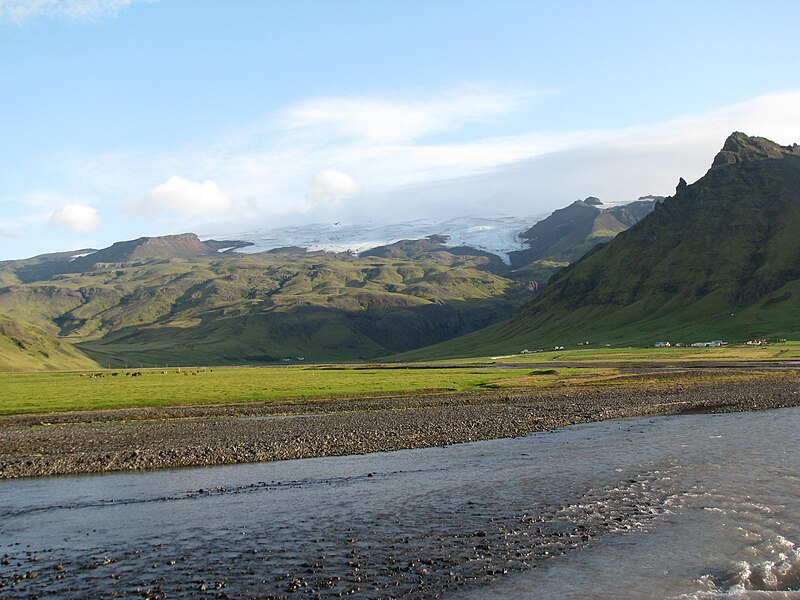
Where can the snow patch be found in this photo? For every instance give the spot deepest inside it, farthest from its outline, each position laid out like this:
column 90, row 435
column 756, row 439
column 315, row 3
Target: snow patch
column 496, row 235
column 81, row 255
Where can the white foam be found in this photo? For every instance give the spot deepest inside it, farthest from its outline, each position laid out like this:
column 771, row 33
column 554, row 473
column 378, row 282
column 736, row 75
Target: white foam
column 776, row 577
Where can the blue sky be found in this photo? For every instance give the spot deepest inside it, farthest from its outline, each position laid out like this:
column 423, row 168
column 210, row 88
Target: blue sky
column 122, row 118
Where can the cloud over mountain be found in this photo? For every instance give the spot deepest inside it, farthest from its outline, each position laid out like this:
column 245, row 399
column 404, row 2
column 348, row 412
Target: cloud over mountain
column 80, row 218
column 182, row 196
column 314, row 162
column 330, row 186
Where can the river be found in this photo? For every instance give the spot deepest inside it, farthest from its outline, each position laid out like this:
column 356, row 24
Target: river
column 691, row 506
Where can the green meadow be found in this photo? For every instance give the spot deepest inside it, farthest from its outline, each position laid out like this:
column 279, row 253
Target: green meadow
column 46, row 392
column 42, row 392
column 784, row 351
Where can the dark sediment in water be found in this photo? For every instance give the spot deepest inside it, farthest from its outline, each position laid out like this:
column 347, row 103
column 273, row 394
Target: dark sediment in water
column 427, row 523
column 460, row 546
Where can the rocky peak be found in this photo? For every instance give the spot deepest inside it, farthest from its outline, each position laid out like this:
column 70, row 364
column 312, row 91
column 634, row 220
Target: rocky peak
column 740, row 147
column 580, row 207
column 184, row 245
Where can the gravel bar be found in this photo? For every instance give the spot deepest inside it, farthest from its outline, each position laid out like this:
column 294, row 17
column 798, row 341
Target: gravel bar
column 150, row 438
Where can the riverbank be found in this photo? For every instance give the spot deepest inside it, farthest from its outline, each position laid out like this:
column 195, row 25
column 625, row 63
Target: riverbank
column 149, row 438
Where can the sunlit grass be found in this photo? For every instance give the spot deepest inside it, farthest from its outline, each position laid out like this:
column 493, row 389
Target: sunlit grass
column 42, row 392
column 783, row 351
column 45, row 392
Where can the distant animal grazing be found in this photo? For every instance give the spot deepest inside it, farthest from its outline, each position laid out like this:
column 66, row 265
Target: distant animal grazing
column 136, row 374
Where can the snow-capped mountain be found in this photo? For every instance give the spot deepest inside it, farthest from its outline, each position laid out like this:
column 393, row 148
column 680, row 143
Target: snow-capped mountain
column 498, row 235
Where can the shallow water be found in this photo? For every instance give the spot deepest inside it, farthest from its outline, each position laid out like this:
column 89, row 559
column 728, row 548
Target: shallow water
column 700, row 506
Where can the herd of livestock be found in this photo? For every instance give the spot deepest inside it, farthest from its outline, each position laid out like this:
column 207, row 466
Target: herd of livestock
column 139, row 373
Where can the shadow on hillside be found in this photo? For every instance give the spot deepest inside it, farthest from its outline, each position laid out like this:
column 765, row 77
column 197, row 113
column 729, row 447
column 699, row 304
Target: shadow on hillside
column 308, row 333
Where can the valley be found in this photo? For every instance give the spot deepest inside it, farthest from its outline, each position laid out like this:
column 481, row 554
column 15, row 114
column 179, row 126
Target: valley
column 180, row 301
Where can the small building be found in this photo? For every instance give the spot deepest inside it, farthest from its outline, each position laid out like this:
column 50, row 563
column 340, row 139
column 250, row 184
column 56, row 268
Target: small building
column 711, row 344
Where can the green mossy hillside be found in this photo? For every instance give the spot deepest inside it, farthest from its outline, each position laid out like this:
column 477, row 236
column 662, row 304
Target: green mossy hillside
column 25, row 348
column 569, row 233
column 719, row 260
column 256, row 308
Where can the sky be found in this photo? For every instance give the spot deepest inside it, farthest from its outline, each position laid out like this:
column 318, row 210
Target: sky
column 129, row 118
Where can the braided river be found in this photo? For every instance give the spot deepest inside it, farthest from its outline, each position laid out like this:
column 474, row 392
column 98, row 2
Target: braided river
column 703, row 506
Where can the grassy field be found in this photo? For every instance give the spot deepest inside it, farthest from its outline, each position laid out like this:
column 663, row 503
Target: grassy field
column 45, row 392
column 783, row 351
column 68, row 391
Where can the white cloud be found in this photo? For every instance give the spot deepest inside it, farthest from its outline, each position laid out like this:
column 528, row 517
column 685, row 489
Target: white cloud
column 281, row 171
column 44, row 199
column 77, row 217
column 331, row 186
column 23, row 222
column 616, row 165
column 24, row 10
column 320, row 165
column 387, row 120
column 184, row 197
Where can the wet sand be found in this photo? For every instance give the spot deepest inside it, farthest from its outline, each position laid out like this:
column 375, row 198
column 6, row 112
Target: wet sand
column 135, row 439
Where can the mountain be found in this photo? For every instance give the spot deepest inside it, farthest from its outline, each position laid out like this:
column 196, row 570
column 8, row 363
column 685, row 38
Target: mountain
column 569, row 233
column 180, row 300
column 185, row 245
column 495, row 235
column 720, row 259
column 24, row 348
column 177, row 300
column 510, row 238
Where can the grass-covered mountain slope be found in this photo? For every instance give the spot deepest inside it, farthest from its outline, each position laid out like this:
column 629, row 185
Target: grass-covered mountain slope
column 179, row 300
column 718, row 260
column 127, row 253
column 24, row 348
column 134, row 303
column 569, row 233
